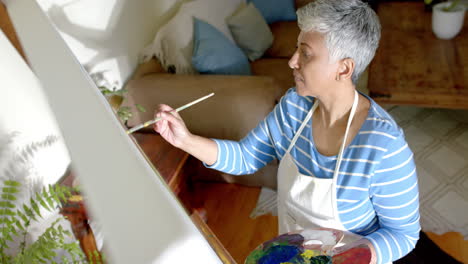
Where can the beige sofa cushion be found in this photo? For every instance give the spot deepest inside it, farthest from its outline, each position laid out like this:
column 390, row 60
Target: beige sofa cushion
column 277, row 69
column 285, row 35
column 231, row 113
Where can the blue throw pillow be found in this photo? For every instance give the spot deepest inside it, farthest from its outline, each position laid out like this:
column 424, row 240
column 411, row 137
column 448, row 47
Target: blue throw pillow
column 276, row 10
column 214, row 53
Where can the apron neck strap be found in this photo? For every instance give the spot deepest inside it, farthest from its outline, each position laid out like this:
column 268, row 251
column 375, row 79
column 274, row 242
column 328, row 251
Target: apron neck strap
column 350, row 119
column 304, row 123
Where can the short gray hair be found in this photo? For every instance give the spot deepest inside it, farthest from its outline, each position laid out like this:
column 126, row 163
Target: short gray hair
column 351, row 29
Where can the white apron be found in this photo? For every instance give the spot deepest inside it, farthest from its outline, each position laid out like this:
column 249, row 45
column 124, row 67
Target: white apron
column 307, row 201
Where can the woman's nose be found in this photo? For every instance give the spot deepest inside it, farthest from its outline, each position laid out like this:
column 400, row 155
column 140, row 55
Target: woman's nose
column 293, row 62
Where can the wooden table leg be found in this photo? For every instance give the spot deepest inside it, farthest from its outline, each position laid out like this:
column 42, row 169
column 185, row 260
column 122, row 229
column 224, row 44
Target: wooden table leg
column 75, row 211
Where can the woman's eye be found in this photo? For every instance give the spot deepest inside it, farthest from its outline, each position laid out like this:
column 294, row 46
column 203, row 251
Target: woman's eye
column 303, row 52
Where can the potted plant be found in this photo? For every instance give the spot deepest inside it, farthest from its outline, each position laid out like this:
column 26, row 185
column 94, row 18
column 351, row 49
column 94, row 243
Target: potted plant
column 447, row 18
column 115, row 98
column 31, row 228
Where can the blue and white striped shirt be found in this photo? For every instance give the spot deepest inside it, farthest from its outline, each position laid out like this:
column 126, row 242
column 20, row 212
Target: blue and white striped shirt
column 377, row 184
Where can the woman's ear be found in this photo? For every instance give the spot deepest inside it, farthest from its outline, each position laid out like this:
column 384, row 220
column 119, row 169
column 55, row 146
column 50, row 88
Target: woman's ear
column 345, row 69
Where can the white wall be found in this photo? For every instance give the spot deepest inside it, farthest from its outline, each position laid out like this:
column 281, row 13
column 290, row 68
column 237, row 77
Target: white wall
column 106, row 36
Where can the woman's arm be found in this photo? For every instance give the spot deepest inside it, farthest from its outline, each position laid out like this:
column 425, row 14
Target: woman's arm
column 395, row 197
column 244, row 157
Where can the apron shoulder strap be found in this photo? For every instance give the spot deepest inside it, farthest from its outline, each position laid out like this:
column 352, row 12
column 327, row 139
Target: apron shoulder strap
column 304, row 123
column 350, row 120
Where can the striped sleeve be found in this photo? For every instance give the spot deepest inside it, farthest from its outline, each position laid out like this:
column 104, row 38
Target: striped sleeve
column 251, row 153
column 395, row 197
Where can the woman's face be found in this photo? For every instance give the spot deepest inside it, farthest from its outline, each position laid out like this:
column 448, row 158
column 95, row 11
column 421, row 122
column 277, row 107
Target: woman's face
column 312, row 71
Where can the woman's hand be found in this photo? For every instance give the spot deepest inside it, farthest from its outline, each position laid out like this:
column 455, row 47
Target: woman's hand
column 171, row 127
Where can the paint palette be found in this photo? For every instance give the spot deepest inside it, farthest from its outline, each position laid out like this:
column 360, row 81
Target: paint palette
column 311, row 246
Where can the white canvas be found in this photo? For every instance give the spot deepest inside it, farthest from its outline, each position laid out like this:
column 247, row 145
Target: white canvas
column 142, row 221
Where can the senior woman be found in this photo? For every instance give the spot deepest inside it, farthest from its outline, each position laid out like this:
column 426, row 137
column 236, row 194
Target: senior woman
column 344, row 162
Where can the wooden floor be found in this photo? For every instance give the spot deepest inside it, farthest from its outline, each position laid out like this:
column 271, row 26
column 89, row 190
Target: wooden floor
column 452, row 243
column 242, row 234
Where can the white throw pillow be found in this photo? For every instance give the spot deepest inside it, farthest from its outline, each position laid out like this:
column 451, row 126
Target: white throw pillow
column 173, row 44
column 250, row 31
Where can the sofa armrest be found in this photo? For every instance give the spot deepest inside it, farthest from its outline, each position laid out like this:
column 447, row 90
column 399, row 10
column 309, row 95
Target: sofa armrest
column 239, row 103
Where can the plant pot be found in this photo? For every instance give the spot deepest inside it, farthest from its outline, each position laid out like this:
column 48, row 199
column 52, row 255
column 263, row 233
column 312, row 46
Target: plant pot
column 115, row 101
column 447, row 24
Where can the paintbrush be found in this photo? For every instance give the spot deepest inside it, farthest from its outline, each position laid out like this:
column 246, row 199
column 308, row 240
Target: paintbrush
column 147, row 123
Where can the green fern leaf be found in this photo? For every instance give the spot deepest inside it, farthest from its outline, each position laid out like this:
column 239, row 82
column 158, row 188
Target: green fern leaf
column 29, row 212
column 35, row 207
column 6, row 204
column 43, row 203
column 50, row 252
column 4, row 245
column 10, row 224
column 13, row 231
column 50, row 201
column 12, row 183
column 74, row 257
column 19, row 225
column 140, row 108
column 54, row 232
column 53, row 194
column 76, row 189
column 96, row 256
column 7, row 236
column 43, row 197
column 13, row 220
column 48, row 196
column 47, row 236
column 8, row 212
column 10, row 190
column 68, row 194
column 38, row 256
column 60, row 194
column 22, row 216
column 67, row 233
column 8, row 197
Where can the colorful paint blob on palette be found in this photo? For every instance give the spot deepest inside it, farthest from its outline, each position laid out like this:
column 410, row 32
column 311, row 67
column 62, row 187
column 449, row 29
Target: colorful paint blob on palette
column 289, row 249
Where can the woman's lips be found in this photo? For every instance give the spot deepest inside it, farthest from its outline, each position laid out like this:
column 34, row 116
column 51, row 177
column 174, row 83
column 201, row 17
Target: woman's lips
column 298, row 78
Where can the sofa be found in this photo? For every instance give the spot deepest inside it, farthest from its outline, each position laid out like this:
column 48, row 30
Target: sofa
column 239, row 104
